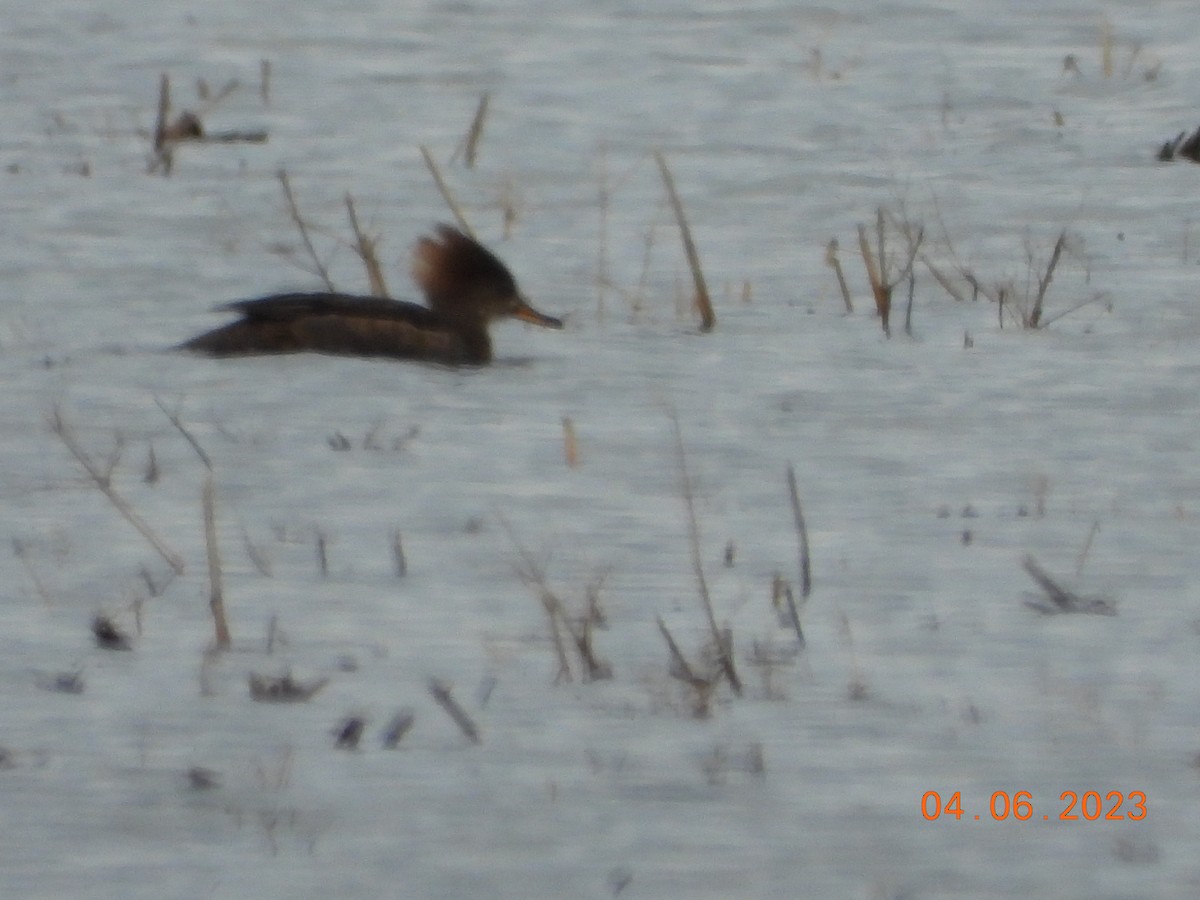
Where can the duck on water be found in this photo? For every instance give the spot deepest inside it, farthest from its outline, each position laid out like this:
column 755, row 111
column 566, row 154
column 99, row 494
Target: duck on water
column 465, row 286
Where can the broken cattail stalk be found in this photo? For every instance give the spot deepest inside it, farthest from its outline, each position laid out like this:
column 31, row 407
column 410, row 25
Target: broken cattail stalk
column 216, row 597
column 444, row 190
column 703, row 303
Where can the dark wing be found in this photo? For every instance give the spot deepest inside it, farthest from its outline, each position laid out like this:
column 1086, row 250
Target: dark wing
column 289, row 307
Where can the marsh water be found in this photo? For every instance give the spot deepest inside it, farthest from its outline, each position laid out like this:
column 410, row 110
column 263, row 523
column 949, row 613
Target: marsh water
column 929, row 464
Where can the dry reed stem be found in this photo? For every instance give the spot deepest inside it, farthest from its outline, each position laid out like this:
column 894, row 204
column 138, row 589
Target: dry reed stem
column 831, row 260
column 444, row 189
column 60, row 427
column 702, row 300
column 723, row 650
column 258, row 559
column 216, row 597
column 1035, row 314
column 570, row 443
column 322, row 554
column 398, row 557
column 469, row 146
column 365, row 248
column 163, row 157
column 908, row 307
column 883, row 299
column 1081, row 559
column 441, row 693
column 680, row 668
column 173, row 418
column 294, row 211
column 879, row 243
column 801, row 535
column 164, row 112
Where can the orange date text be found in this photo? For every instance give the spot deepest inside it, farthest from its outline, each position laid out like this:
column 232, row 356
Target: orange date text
column 1072, row 806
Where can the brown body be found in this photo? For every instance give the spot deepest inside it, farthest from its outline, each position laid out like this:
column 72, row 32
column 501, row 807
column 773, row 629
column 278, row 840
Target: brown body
column 465, row 285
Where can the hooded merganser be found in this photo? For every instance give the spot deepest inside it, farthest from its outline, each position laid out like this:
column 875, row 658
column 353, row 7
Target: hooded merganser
column 465, row 285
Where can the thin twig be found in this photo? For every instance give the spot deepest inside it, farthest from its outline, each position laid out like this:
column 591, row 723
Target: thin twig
column 173, row 418
column 1081, row 559
column 59, row 425
column 20, row 553
column 697, row 560
column 533, row 573
column 302, row 227
column 444, row 189
column 365, row 248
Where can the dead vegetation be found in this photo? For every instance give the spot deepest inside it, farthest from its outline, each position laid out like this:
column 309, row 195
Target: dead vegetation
column 1184, row 146
column 571, row 635
column 1118, row 59
column 1057, row 599
column 1020, row 301
column 188, row 126
column 283, row 688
